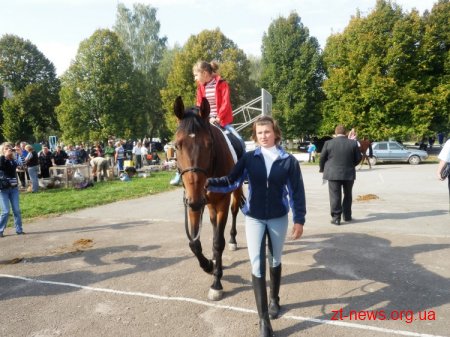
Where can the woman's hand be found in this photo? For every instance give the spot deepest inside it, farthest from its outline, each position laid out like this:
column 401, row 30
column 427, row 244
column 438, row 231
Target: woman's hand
column 439, row 169
column 297, row 231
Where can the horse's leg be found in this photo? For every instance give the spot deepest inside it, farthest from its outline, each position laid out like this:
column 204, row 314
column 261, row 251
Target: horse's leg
column 219, row 223
column 362, row 161
column 235, row 203
column 196, row 245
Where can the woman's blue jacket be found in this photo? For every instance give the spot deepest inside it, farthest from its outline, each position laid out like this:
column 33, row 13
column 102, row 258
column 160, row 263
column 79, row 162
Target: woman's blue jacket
column 267, row 196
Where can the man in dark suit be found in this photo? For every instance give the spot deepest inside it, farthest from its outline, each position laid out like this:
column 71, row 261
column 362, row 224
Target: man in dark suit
column 338, row 160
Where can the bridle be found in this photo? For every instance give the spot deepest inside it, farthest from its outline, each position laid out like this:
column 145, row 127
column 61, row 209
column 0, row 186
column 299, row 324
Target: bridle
column 194, row 169
column 206, row 172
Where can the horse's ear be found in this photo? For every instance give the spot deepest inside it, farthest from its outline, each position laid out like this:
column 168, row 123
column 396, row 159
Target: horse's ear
column 178, row 107
column 204, row 108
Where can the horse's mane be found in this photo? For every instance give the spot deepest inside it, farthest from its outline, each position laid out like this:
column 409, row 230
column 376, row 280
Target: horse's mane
column 192, row 122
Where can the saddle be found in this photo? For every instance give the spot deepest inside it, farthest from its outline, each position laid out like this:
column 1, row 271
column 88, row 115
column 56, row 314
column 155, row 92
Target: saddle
column 233, row 140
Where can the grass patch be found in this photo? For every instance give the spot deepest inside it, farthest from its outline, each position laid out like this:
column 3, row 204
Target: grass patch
column 65, row 200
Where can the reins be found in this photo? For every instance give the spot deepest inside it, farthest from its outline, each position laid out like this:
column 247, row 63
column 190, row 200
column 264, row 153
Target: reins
column 186, row 221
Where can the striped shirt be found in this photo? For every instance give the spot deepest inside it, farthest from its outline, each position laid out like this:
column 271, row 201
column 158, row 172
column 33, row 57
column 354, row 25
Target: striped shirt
column 120, row 152
column 210, row 93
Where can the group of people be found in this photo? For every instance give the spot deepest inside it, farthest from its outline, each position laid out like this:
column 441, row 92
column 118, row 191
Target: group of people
column 32, row 165
column 274, row 178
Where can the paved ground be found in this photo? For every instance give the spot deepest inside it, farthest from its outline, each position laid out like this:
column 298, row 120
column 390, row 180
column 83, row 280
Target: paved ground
column 125, row 269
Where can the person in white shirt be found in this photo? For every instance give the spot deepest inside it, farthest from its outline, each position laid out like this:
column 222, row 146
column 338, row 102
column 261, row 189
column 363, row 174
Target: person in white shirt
column 444, row 159
column 144, row 153
column 137, row 154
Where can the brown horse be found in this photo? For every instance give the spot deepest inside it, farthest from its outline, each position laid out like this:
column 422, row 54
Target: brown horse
column 202, row 152
column 365, row 146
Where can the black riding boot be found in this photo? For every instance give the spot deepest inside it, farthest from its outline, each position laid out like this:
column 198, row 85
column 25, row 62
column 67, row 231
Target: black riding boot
column 274, row 304
column 259, row 287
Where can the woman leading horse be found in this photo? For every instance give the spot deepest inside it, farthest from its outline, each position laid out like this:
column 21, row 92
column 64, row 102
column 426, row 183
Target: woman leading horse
column 203, row 152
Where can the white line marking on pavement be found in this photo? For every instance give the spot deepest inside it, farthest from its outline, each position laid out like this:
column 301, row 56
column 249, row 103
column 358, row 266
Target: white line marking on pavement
column 221, row 306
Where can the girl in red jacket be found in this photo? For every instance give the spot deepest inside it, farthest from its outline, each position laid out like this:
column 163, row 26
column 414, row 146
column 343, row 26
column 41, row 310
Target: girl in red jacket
column 216, row 90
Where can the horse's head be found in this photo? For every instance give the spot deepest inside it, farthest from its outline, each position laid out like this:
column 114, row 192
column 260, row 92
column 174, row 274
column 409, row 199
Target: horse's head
column 195, row 154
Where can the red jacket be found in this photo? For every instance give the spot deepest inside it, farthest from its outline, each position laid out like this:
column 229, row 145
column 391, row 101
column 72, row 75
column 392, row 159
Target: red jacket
column 223, row 103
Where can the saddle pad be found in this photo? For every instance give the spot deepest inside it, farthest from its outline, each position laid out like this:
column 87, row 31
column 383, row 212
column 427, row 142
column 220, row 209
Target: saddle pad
column 230, row 146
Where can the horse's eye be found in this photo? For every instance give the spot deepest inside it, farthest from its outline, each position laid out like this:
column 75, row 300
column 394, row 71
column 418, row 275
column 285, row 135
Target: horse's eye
column 176, row 145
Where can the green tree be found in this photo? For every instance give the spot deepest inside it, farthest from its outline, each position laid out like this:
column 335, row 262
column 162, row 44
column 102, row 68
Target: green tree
column 293, row 73
column 2, row 98
column 166, row 64
column 164, row 70
column 139, row 31
column 31, row 78
column 379, row 74
column 208, row 45
column 97, row 91
column 435, row 66
column 255, row 70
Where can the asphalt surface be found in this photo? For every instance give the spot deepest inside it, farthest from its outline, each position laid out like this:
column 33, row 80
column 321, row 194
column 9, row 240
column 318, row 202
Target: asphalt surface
column 125, row 269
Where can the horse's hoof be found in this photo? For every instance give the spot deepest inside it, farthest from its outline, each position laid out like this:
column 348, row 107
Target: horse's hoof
column 232, row 246
column 215, row 295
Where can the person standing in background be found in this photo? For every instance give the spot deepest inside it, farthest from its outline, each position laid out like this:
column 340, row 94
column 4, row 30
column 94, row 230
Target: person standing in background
column 440, row 138
column 9, row 196
column 137, row 155
column 32, row 162
column 45, row 162
column 110, row 152
column 59, row 156
column 338, row 160
column 311, row 153
column 119, row 157
column 352, row 134
column 22, row 170
column 72, row 155
column 83, row 156
column 444, row 158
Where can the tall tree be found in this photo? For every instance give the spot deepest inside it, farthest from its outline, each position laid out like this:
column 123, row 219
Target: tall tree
column 293, row 73
column 139, row 31
column 97, row 95
column 32, row 80
column 165, row 68
column 379, row 74
column 435, row 65
column 208, row 45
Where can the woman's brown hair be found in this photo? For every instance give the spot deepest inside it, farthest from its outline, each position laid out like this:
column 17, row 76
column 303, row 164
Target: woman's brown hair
column 267, row 120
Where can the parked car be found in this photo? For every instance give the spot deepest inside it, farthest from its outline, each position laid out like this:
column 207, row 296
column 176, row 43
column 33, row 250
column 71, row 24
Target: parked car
column 391, row 151
column 318, row 142
column 303, row 146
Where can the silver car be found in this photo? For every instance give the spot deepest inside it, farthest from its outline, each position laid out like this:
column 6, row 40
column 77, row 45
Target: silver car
column 392, row 151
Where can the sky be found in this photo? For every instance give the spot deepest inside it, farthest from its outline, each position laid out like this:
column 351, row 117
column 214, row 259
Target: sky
column 57, row 27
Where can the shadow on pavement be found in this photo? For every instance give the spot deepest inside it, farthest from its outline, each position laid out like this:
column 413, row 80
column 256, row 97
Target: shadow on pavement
column 406, row 285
